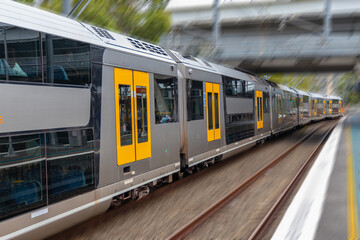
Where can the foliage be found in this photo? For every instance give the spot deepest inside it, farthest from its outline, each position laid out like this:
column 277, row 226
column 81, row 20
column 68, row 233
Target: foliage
column 144, row 19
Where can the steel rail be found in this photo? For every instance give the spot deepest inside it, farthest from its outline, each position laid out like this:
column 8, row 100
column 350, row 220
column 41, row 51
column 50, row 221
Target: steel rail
column 206, row 214
column 280, row 200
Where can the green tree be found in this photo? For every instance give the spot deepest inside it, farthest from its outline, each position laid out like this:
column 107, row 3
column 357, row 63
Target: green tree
column 144, row 19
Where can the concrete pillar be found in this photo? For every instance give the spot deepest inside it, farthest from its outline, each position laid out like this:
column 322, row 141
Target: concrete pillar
column 66, row 8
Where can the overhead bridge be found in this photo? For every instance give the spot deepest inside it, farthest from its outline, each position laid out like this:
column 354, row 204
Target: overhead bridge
column 282, row 35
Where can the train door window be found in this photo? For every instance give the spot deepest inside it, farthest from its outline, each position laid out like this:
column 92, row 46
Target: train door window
column 259, row 109
column 22, row 174
column 141, row 109
column 166, row 95
column 216, row 105
column 125, row 111
column 213, row 111
column 132, row 110
column 210, row 110
column 195, row 102
column 21, row 54
column 70, row 163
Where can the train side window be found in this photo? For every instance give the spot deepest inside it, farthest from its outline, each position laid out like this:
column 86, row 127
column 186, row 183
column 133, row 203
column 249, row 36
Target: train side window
column 2, row 55
column 70, row 163
column 249, row 89
column 22, row 60
column 166, row 95
column 22, row 174
column 65, row 143
column 195, row 102
column 66, row 61
column 239, row 126
column 238, row 88
column 266, row 102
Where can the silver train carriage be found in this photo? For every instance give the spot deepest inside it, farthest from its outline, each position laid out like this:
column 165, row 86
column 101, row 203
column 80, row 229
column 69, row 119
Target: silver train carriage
column 90, row 117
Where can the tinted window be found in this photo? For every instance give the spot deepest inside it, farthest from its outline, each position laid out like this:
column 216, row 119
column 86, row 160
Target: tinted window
column 69, row 142
column 239, row 126
column 266, row 102
column 22, row 61
column 2, row 55
column 238, row 88
column 195, row 105
column 32, row 56
column 22, row 187
column 70, row 164
column 14, row 150
column 165, row 89
column 67, row 61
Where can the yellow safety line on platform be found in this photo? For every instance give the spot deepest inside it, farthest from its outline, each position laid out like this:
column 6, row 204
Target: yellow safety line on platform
column 353, row 232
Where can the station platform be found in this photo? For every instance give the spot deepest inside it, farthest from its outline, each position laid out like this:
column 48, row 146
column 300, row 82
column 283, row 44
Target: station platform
column 328, row 202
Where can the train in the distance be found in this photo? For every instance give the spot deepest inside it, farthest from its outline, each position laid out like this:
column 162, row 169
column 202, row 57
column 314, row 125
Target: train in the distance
column 90, row 117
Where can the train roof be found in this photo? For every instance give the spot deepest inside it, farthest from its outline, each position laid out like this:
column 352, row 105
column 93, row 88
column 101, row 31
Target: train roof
column 333, row 97
column 230, row 72
column 24, row 16
column 301, row 92
column 190, row 61
column 316, row 95
column 280, row 86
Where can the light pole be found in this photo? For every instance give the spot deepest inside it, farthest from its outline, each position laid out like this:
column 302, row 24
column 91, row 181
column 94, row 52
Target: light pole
column 327, row 20
column 216, row 26
column 66, row 8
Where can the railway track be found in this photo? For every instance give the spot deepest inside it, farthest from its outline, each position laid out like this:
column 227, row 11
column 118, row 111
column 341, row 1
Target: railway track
column 261, row 226
column 165, row 210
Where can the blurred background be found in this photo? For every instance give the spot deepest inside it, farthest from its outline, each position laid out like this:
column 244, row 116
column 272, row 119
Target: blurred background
column 313, row 45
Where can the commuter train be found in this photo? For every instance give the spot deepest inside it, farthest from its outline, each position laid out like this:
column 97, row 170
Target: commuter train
column 90, row 117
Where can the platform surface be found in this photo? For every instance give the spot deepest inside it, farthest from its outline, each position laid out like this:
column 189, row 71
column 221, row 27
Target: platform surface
column 328, row 202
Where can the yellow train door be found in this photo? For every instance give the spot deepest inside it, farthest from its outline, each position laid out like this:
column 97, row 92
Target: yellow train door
column 301, row 108
column 259, row 109
column 324, row 107
column 330, row 107
column 315, row 107
column 132, row 114
column 339, row 106
column 213, row 111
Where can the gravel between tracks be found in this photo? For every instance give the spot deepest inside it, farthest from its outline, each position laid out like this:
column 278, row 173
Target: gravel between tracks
column 162, row 212
column 241, row 216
